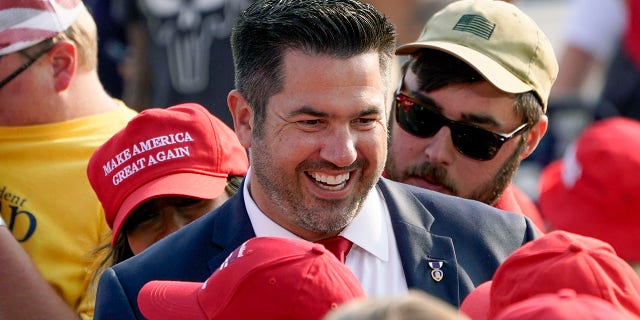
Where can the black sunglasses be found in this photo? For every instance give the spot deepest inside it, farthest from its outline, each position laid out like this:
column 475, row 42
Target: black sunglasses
column 22, row 68
column 422, row 120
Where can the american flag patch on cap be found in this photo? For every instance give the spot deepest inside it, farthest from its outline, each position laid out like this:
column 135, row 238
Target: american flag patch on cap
column 475, row 24
column 24, row 23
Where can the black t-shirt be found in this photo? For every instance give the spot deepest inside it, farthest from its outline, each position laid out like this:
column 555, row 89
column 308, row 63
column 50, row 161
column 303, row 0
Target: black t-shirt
column 189, row 54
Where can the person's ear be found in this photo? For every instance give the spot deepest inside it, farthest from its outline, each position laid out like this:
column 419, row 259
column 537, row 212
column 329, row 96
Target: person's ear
column 242, row 114
column 535, row 135
column 64, row 60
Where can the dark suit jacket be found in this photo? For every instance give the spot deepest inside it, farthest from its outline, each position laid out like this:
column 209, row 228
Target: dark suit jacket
column 471, row 238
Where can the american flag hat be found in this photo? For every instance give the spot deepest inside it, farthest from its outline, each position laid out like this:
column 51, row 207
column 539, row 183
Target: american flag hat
column 24, row 23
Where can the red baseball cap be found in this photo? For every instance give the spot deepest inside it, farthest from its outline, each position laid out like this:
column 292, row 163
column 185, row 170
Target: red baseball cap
column 265, row 278
column 28, row 22
column 476, row 304
column 566, row 304
column 561, row 260
column 593, row 190
column 179, row 151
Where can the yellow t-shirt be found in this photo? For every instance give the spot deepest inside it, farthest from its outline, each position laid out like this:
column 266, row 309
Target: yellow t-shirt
column 48, row 203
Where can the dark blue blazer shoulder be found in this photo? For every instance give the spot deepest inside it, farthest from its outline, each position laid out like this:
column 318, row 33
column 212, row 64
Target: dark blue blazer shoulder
column 469, row 238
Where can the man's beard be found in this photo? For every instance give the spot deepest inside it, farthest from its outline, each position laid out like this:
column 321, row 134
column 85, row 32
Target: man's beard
column 488, row 192
column 302, row 208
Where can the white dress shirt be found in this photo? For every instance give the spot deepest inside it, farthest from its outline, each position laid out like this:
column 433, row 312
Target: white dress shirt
column 374, row 257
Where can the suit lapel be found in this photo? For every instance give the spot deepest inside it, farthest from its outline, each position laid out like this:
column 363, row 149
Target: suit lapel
column 410, row 220
column 420, row 251
column 231, row 227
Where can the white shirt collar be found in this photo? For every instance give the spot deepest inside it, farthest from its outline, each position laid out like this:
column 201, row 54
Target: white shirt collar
column 368, row 230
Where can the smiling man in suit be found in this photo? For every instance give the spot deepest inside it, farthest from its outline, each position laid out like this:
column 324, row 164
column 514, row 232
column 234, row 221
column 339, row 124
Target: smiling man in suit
column 310, row 105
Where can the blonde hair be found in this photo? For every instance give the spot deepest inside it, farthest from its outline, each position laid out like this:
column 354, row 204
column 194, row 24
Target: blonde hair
column 415, row 305
column 84, row 33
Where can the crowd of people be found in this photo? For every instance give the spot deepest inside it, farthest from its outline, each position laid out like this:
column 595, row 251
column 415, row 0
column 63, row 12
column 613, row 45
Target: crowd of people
column 340, row 170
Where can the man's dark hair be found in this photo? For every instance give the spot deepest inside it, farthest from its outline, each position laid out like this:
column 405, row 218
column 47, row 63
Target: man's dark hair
column 436, row 69
column 266, row 30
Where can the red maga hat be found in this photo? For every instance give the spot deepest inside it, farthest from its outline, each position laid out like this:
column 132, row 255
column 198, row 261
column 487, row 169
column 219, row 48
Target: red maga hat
column 179, row 151
column 564, row 305
column 476, row 304
column 561, row 260
column 593, row 190
column 267, row 278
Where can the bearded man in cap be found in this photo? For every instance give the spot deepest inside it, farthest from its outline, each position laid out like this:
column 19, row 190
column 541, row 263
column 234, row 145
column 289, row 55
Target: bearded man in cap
column 54, row 113
column 471, row 104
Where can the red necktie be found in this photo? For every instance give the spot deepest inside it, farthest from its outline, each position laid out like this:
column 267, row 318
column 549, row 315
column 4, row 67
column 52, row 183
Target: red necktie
column 338, row 245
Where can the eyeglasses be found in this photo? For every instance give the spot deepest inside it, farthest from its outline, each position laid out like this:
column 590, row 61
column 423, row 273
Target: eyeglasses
column 23, row 67
column 422, row 120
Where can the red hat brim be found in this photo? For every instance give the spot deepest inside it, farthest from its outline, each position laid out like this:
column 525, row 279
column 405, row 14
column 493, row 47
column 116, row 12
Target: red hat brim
column 186, row 184
column 181, row 297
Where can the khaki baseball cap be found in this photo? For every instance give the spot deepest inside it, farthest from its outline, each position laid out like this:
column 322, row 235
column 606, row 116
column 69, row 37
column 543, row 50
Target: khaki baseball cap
column 496, row 38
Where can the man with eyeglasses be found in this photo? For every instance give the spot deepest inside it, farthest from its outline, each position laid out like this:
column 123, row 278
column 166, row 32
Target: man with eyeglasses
column 471, row 104
column 54, row 113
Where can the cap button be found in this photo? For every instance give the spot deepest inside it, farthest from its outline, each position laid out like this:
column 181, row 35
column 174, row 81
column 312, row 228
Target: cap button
column 317, row 249
column 575, row 248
